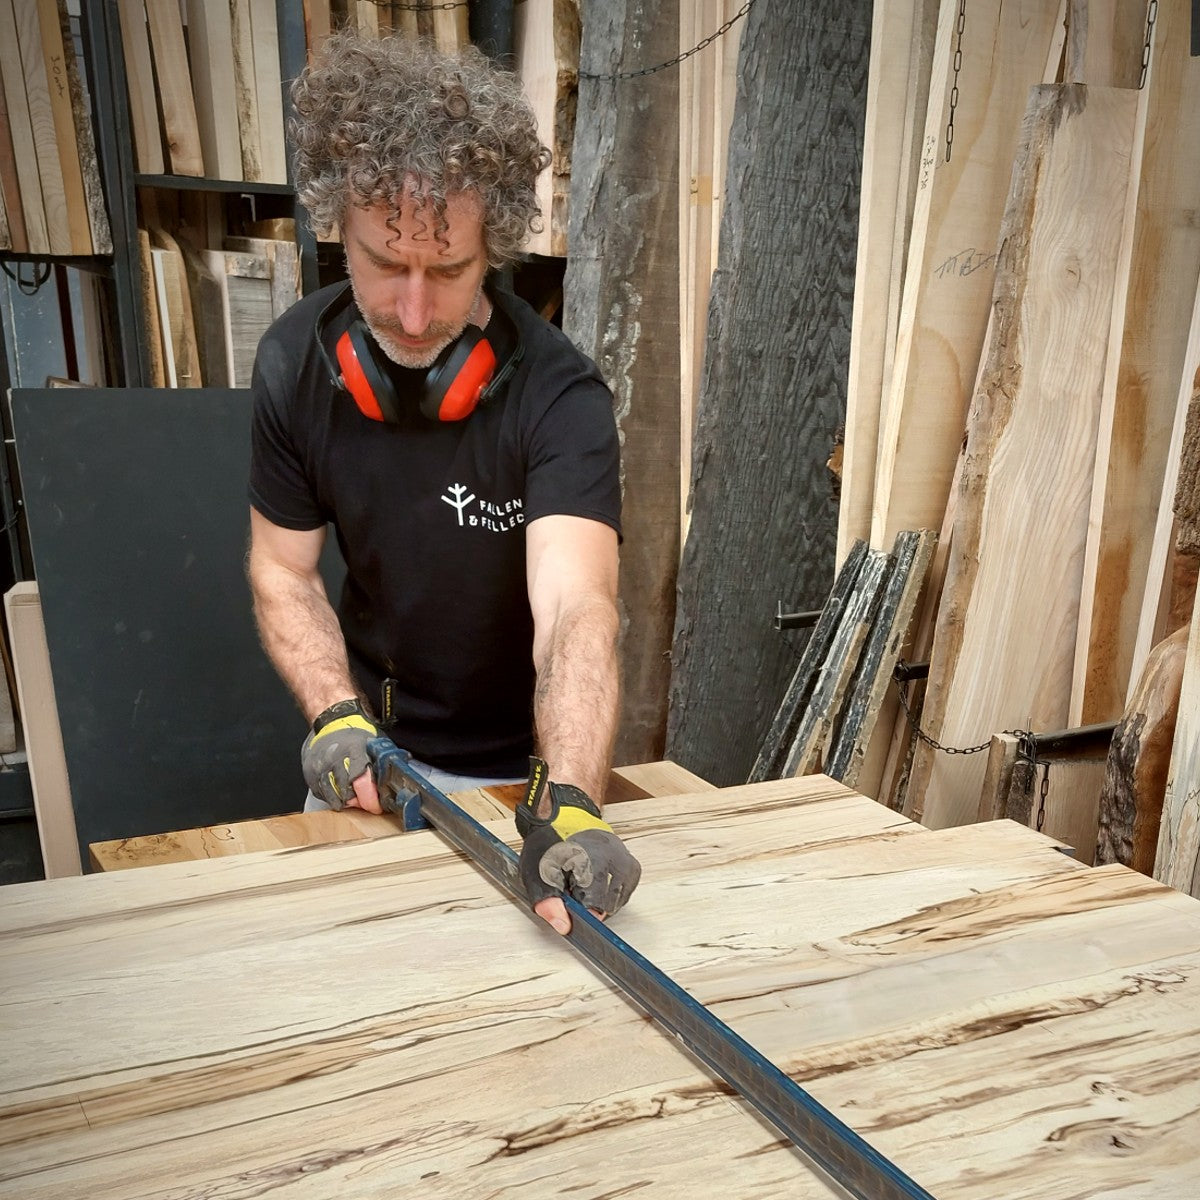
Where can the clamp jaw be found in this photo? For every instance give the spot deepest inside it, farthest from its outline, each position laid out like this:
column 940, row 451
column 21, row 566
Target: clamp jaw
column 398, row 784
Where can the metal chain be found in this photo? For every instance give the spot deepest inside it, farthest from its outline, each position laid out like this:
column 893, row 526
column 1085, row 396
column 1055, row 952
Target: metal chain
column 1042, row 792
column 936, row 745
column 1151, row 17
column 420, row 7
column 962, row 20
column 712, row 37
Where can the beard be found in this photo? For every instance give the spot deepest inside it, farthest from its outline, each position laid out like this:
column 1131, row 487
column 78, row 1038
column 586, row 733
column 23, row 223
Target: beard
column 386, row 328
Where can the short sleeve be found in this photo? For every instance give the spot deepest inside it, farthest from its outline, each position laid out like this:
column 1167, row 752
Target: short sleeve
column 574, row 458
column 279, row 485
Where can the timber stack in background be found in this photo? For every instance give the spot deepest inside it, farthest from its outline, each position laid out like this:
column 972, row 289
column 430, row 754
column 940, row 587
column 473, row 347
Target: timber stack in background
column 1025, row 354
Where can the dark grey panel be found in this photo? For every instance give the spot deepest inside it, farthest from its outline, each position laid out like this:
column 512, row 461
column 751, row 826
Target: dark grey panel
column 172, row 716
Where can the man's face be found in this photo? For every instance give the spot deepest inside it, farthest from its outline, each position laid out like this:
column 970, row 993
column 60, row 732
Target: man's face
column 415, row 293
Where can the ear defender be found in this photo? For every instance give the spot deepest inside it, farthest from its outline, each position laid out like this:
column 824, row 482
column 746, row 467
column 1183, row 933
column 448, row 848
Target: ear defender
column 463, row 377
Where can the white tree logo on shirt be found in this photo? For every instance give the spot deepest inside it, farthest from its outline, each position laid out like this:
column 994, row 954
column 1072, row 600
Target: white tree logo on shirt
column 459, row 502
column 499, row 516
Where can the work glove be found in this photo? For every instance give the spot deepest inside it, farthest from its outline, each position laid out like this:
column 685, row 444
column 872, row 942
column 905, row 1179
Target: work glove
column 334, row 754
column 573, row 850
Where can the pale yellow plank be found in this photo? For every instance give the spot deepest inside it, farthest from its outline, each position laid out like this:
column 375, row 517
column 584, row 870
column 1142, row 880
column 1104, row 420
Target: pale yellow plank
column 139, row 74
column 21, row 129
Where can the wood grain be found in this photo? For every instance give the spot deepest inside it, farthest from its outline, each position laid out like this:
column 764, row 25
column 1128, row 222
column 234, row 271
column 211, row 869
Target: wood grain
column 10, row 186
column 245, row 91
column 963, row 998
column 210, row 44
column 952, row 249
column 622, row 309
column 268, row 82
column 1177, row 861
column 24, row 145
column 139, row 75
column 42, row 733
column 1004, row 648
column 1148, row 346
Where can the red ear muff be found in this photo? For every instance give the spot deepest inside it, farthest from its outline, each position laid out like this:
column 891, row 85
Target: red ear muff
column 370, row 387
column 455, row 385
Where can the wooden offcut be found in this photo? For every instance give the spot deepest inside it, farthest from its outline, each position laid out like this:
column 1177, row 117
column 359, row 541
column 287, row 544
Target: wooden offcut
column 10, row 186
column 268, row 83
column 174, row 84
column 1004, row 649
column 245, row 91
column 1139, row 757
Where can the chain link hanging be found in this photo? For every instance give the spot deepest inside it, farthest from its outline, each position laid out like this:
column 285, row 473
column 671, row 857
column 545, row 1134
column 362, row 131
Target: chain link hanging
column 712, row 37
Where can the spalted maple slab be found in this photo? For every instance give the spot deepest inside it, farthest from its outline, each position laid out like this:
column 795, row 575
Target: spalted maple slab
column 1004, row 646
column 375, row 1019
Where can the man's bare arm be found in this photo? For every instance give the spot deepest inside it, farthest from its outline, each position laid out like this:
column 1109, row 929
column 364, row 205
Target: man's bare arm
column 297, row 624
column 572, row 570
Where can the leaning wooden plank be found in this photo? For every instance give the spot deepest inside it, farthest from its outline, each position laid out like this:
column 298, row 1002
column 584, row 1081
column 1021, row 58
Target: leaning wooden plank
column 884, row 194
column 1155, row 600
column 281, row 256
column 782, row 731
column 246, row 91
column 169, row 316
column 1147, row 350
column 175, row 87
column 317, row 24
column 187, row 353
column 909, row 566
column 210, row 44
column 1004, row 647
column 817, row 723
column 42, row 125
column 450, row 26
column 150, row 312
column 364, row 15
column 546, row 77
column 268, row 82
column 43, row 736
column 101, row 233
column 1139, row 758
column 997, row 777
column 1116, row 36
column 25, row 152
column 54, row 61
column 209, row 314
column 139, row 75
column 10, row 186
column 248, row 286
column 952, row 250
column 1177, row 859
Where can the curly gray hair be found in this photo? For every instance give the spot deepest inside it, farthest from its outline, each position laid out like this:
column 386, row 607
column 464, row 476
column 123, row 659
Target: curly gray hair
column 376, row 118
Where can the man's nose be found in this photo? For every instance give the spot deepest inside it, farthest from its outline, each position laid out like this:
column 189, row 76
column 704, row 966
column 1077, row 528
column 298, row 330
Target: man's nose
column 414, row 306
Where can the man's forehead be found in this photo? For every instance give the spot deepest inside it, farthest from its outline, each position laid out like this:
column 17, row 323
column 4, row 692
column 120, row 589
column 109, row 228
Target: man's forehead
column 413, row 218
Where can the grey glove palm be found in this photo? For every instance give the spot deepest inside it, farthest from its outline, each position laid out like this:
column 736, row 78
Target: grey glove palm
column 334, row 754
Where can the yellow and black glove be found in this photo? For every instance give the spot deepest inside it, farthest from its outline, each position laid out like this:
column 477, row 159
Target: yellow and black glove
column 572, row 849
column 334, row 754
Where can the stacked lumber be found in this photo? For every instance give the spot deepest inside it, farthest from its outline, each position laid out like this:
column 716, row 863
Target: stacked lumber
column 828, row 713
column 207, row 308
column 50, row 196
column 1025, row 342
column 205, row 92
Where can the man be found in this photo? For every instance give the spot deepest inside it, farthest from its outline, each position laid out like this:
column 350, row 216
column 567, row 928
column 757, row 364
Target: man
column 465, row 453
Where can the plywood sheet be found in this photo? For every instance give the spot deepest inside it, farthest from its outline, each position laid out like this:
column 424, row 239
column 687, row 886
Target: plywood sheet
column 964, row 998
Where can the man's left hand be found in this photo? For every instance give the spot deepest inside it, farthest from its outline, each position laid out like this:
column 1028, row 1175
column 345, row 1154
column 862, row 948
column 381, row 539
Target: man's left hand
column 570, row 848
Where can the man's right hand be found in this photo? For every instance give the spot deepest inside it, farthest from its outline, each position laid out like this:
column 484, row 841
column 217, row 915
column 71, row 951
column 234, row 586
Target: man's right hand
column 334, row 757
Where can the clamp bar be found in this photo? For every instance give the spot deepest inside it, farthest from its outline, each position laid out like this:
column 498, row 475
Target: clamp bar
column 831, row 1144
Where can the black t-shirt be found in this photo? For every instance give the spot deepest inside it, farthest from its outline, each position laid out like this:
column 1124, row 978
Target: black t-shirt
column 430, row 518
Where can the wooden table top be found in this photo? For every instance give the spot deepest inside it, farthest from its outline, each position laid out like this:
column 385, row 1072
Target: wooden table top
column 375, row 1019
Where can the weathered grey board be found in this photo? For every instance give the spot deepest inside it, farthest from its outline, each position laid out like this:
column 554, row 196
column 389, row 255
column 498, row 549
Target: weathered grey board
column 764, row 518
column 622, row 308
column 373, row 1019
